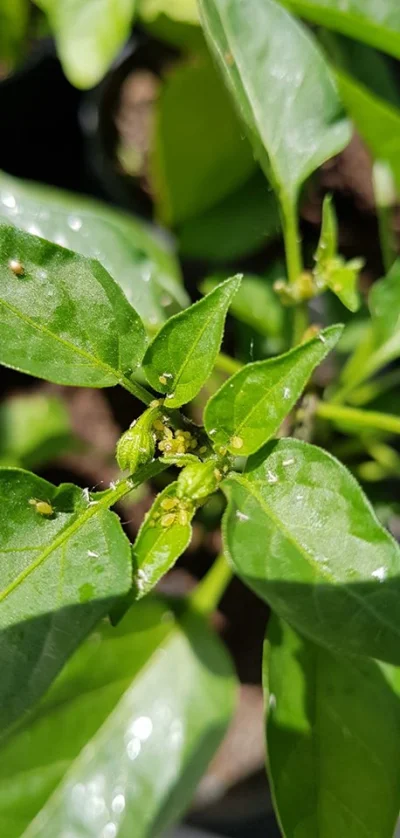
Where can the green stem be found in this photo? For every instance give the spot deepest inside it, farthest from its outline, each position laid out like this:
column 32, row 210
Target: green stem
column 225, row 363
column 209, row 591
column 292, row 240
column 377, row 387
column 137, row 390
column 360, row 419
column 294, row 263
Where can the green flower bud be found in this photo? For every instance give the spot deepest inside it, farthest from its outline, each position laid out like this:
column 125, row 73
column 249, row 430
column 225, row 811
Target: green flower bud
column 198, row 480
column 136, row 447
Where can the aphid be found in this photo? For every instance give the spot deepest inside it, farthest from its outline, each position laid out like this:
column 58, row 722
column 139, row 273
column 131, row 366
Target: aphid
column 43, row 507
column 237, row 442
column 169, row 503
column 162, row 379
column 167, row 520
column 16, row 267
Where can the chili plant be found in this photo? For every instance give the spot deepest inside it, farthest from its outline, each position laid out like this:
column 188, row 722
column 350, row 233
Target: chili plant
column 113, row 700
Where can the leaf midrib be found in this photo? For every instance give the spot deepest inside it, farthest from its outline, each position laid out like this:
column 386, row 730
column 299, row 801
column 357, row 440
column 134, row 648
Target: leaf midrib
column 214, row 314
column 38, row 327
column 64, row 535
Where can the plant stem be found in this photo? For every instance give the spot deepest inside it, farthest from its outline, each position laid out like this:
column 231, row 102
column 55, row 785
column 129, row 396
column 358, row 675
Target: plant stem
column 225, row 363
column 209, row 591
column 360, row 419
column 372, row 389
column 137, row 390
column 292, row 240
column 294, row 263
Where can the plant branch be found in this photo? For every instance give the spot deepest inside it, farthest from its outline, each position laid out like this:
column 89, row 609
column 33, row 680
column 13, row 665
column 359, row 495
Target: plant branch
column 209, row 591
column 359, row 419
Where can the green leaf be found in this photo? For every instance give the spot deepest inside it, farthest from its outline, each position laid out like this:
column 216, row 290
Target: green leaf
column 378, row 24
column 52, row 565
column 282, row 86
column 188, row 173
column 377, row 121
column 174, row 21
column 121, row 740
column 163, row 537
column 332, row 270
column 328, row 240
column 62, row 317
column 302, row 535
column 241, row 224
column 250, row 407
column 14, row 17
column 381, row 343
column 333, row 737
column 33, row 430
column 255, row 303
column 69, row 551
column 138, row 261
column 33, row 652
column 182, row 355
column 89, row 35
column 183, row 11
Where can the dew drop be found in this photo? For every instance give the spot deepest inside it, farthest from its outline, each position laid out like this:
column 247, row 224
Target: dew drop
column 133, row 748
column 74, row 223
column 61, row 240
column 142, row 728
column 118, row 804
column 379, row 573
column 8, row 200
column 34, row 230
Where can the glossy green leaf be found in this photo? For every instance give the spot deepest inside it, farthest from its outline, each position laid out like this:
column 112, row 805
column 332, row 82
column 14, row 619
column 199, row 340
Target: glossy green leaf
column 373, row 69
column 14, row 16
column 342, row 279
column 139, row 261
column 282, row 86
column 59, row 575
column 255, row 303
column 381, row 343
column 377, row 121
column 89, row 35
column 67, row 552
column 33, row 429
column 188, row 173
column 378, row 24
column 182, row 355
column 120, row 742
column 241, row 224
column 331, row 270
column 328, row 240
column 302, row 535
column 250, row 407
column 62, row 317
column 333, row 737
column 163, row 537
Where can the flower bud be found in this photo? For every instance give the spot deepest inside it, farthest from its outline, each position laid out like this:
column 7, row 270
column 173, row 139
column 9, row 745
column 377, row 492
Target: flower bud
column 198, row 480
column 136, row 447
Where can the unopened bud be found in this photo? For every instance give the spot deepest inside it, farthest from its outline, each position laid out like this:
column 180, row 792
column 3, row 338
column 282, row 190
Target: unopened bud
column 136, row 446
